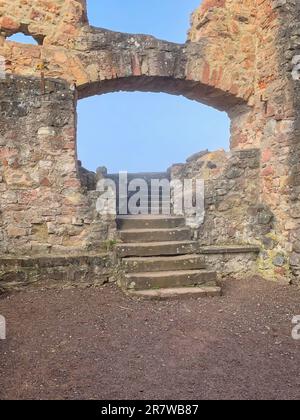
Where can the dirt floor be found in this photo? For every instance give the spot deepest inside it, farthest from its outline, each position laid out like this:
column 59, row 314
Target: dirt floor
column 99, row 344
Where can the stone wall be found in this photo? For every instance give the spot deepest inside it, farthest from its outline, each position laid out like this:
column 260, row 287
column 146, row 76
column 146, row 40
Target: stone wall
column 290, row 32
column 231, row 194
column 270, row 123
column 44, row 208
column 234, row 212
column 52, row 22
column 52, row 272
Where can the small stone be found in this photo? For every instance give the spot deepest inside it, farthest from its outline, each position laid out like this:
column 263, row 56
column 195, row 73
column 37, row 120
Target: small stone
column 268, row 243
column 46, row 131
column 296, row 247
column 264, row 217
column 233, row 173
column 16, row 232
column 279, row 261
column 211, row 165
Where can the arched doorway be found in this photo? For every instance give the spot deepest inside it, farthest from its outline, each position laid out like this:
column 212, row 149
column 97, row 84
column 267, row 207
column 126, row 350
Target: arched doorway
column 146, row 132
column 144, row 135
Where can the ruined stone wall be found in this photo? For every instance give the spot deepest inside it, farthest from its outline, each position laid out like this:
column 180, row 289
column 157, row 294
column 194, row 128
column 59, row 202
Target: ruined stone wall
column 50, row 22
column 290, row 62
column 270, row 122
column 276, row 129
column 55, row 271
column 233, row 212
column 97, row 60
column 43, row 207
column 227, row 32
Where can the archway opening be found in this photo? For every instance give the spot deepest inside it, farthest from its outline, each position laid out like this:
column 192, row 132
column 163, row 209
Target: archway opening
column 145, row 135
column 24, row 39
column 168, row 19
column 146, row 132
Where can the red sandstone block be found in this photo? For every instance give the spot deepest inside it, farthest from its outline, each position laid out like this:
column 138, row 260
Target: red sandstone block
column 268, row 171
column 266, row 155
column 206, row 74
column 209, row 4
column 9, row 24
column 45, row 182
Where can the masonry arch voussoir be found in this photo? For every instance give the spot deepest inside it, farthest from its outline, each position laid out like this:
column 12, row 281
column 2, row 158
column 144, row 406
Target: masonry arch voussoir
column 207, row 95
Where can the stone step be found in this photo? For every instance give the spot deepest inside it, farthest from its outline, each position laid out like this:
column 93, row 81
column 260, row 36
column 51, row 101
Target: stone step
column 176, row 293
column 161, row 211
column 155, row 204
column 146, row 199
column 153, row 264
column 155, row 235
column 147, row 176
column 149, row 204
column 229, row 249
column 149, row 222
column 155, row 201
column 149, row 210
column 155, row 197
column 169, row 279
column 155, row 249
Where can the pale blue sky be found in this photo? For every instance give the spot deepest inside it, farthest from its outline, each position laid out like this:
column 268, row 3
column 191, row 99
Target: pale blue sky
column 145, row 131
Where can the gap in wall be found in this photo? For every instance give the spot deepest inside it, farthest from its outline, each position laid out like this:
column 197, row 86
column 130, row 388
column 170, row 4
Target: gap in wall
column 22, row 38
column 167, row 19
column 145, row 132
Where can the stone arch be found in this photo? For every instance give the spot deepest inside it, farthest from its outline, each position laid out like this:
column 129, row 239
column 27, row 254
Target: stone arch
column 112, row 126
column 81, row 54
column 222, row 101
column 99, row 61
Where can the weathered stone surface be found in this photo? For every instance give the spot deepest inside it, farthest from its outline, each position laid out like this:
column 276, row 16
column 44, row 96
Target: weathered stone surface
column 44, row 208
column 60, row 272
column 228, row 198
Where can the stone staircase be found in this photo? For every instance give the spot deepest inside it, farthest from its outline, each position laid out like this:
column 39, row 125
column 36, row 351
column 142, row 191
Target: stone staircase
column 150, row 202
column 158, row 259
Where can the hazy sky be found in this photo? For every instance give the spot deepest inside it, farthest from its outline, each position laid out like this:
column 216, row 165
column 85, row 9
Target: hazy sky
column 145, row 131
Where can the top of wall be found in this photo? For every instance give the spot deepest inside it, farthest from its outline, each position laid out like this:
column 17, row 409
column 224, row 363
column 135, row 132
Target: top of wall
column 56, row 21
column 234, row 49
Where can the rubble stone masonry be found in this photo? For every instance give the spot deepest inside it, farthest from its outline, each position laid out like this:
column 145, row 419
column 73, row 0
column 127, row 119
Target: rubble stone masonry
column 241, row 56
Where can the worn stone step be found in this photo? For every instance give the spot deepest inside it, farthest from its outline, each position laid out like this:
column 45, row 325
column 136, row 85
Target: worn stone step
column 176, row 293
column 154, row 198
column 155, row 201
column 154, row 249
column 154, row 204
column 153, row 264
column 229, row 249
column 155, row 235
column 149, row 222
column 153, row 212
column 168, row 279
column 147, row 176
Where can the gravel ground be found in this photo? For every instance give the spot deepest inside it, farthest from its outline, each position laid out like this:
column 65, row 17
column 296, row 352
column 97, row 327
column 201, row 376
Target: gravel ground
column 99, row 344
